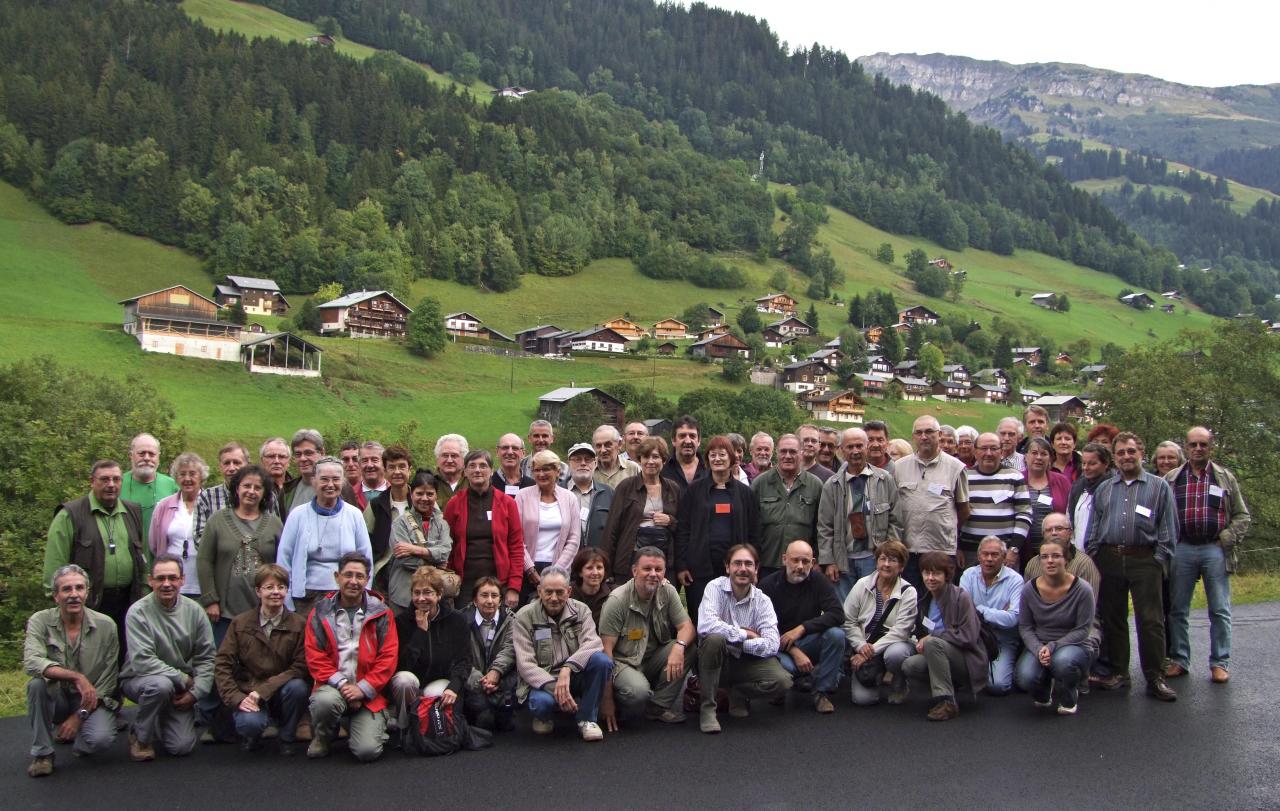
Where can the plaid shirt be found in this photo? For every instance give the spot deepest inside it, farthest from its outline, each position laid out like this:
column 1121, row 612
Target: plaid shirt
column 1202, row 513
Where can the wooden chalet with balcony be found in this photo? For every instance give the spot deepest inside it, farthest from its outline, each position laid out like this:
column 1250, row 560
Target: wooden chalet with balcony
column 467, row 325
column 774, row 339
column 957, row 372
column 629, row 330
column 834, row 406
column 806, row 375
column 718, row 347
column 594, row 339
column 951, row 390
column 988, row 393
column 670, row 329
column 256, row 296
column 179, row 321
column 913, row 388
column 1062, row 407
column 919, row 314
column 873, row 383
column 792, row 326
column 776, row 303
column 366, row 314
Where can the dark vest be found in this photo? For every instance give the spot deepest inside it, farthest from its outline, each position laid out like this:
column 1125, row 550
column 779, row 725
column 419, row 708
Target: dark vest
column 88, row 551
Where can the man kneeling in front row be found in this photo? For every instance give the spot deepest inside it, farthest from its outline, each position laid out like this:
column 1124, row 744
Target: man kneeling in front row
column 807, row 607
column 647, row 632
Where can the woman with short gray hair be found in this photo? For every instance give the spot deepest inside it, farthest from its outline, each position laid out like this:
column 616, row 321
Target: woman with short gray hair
column 173, row 522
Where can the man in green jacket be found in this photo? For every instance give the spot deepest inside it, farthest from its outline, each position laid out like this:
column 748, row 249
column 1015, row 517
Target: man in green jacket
column 788, row 497
column 70, row 653
column 144, row 484
column 169, row 666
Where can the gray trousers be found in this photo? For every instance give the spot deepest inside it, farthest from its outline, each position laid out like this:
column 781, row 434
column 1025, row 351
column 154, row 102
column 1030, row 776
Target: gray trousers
column 941, row 663
column 50, row 702
column 367, row 731
column 752, row 676
column 633, row 687
column 157, row 717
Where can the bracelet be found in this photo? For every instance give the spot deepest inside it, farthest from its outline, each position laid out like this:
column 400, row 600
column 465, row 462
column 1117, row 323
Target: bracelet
column 682, row 643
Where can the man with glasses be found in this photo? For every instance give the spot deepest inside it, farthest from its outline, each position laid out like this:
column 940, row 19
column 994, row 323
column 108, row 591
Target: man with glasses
column 1212, row 520
column 810, row 442
column 306, row 447
column 788, row 499
column 274, row 456
column 828, row 441
column 611, row 469
column 933, row 498
column 996, row 591
column 1132, row 530
column 511, row 476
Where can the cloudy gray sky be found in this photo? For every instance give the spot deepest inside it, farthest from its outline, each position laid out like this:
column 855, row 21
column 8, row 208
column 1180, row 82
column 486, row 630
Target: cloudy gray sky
column 1212, row 44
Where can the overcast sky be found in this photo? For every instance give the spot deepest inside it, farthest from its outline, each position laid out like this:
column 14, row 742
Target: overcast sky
column 1211, row 44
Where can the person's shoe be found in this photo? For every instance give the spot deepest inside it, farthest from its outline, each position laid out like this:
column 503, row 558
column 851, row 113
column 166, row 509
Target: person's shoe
column 303, row 732
column 270, row 732
column 739, row 705
column 541, row 727
column 1083, row 689
column 40, row 766
column 1219, row 675
column 250, row 744
column 822, row 704
column 898, row 695
column 288, row 748
column 944, row 710
column 1173, row 670
column 707, row 719
column 140, row 752
column 207, row 737
column 1067, row 709
column 318, row 748
column 590, row 731
column 1157, row 689
column 1112, row 682
column 666, row 716
column 803, row 683
column 1042, row 702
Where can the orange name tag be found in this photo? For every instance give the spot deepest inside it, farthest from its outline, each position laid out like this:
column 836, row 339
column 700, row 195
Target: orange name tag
column 722, row 509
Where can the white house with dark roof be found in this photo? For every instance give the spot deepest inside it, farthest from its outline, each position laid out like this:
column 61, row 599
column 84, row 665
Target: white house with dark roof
column 366, row 314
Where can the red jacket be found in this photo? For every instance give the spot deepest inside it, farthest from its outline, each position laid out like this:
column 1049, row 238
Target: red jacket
column 508, row 537
column 379, row 647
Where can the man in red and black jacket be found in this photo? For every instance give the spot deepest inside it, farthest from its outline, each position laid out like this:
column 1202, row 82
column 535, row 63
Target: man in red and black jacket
column 352, row 650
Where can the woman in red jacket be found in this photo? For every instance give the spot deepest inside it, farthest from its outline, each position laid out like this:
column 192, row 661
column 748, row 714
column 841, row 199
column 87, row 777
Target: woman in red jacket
column 485, row 525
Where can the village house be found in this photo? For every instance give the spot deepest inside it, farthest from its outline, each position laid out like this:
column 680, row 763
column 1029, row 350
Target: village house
column 280, row 353
column 913, row 388
column 988, row 393
column 670, row 328
column 711, row 332
column 902, row 328
column 715, row 317
column 879, row 364
column 256, row 296
column 957, row 372
column 1138, row 301
column 366, row 314
column 905, row 367
column 1028, row 355
column 806, row 375
column 774, row 339
column 667, row 348
column 776, row 303
column 1063, row 359
column 791, row 326
column 321, row 39
column 539, row 340
column 950, row 390
column 919, row 314
column 831, row 357
column 1093, row 373
column 629, row 330
column 659, row 426
column 511, row 92
column 993, row 376
column 551, row 405
column 1169, row 309
column 873, row 334
column 834, row 406
column 1029, row 396
column 942, row 262
column 467, row 325
column 1173, row 295
column 594, row 339
column 1062, row 407
column 179, row 321
column 873, row 384
column 1046, row 300
column 718, row 347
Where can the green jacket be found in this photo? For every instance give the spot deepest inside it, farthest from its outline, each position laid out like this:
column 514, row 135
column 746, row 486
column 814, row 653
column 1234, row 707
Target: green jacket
column 623, row 617
column 95, row 657
column 785, row 516
column 1238, row 518
column 881, row 493
column 544, row 645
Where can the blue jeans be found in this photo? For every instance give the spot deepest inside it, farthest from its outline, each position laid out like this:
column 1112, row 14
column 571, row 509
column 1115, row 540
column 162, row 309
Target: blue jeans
column 827, row 652
column 1068, row 666
column 1190, row 563
column 858, row 569
column 1000, row 680
column 586, row 686
column 286, row 706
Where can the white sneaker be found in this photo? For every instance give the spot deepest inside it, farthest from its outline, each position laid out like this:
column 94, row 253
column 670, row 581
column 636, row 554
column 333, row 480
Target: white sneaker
column 590, row 731
column 541, row 727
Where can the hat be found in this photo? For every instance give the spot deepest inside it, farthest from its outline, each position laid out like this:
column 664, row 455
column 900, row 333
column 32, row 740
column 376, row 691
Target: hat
column 580, row 447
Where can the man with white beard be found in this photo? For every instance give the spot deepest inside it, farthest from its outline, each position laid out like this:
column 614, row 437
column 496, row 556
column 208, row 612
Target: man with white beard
column 143, row 484
column 594, row 497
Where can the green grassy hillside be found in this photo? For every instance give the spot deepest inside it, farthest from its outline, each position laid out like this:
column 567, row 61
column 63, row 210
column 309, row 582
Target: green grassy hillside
column 260, row 21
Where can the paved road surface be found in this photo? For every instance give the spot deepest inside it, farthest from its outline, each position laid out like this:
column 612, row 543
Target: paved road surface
column 1215, row 748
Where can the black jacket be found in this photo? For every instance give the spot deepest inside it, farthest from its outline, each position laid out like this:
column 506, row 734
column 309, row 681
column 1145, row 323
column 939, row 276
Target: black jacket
column 813, row 603
column 693, row 548
column 672, row 470
column 441, row 652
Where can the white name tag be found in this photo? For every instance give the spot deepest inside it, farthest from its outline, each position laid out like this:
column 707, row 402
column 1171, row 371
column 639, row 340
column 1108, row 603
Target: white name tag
column 1142, row 511
column 1216, row 491
column 584, row 513
column 996, row 498
column 488, row 635
column 542, row 634
column 928, row 624
column 511, row 489
column 1045, row 499
column 936, row 489
column 488, row 515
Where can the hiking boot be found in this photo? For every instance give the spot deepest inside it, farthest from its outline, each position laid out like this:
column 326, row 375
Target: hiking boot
column 1219, row 675
column 40, row 766
column 739, row 705
column 303, row 732
column 899, row 692
column 707, row 719
column 140, row 752
column 590, row 731
column 944, row 710
column 1157, row 689
column 822, row 704
column 1112, row 682
column 1173, row 670
column 318, row 748
column 666, row 716
column 541, row 727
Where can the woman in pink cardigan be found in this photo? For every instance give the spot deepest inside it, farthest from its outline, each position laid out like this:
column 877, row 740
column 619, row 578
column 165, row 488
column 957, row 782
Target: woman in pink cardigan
column 551, row 519
column 173, row 520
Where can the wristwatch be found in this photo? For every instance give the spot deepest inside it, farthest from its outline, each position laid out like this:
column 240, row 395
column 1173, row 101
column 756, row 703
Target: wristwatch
column 83, row 713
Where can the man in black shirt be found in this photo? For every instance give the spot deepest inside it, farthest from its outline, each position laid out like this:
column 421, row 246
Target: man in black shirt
column 810, row 622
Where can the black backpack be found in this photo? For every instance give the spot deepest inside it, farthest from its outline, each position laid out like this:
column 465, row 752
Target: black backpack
column 440, row 730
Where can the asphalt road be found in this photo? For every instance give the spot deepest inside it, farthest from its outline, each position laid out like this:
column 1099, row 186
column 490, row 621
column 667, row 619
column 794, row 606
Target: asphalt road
column 1216, row 747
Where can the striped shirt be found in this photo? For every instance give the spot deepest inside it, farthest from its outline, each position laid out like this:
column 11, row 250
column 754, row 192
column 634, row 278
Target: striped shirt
column 1141, row 512
column 999, row 505
column 723, row 613
column 210, row 500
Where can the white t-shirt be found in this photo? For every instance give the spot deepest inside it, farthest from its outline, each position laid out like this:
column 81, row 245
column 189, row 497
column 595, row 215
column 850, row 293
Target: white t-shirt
column 549, row 521
column 181, row 542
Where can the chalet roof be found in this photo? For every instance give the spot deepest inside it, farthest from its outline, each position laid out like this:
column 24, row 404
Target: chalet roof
column 772, row 296
column 716, row 310
column 163, row 289
column 1057, row 399
column 463, row 315
column 566, row 393
column 823, row 354
column 500, row 335
column 951, row 384
column 621, row 320
column 711, row 339
column 1025, row 350
column 267, row 337
column 540, row 328
column 911, row 381
column 800, row 364
column 1029, row 393
column 1093, row 368
column 990, row 388
column 872, row 377
column 225, row 290
column 590, row 331
column 989, row 372
column 672, row 321
column 788, row 320
column 954, row 367
column 1041, row 295
column 906, row 365
column 351, row 299
column 828, row 396
column 914, row 307
column 253, row 283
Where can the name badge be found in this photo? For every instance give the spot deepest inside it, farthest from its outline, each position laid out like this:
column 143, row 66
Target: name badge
column 936, row 489
column 928, row 624
column 488, row 635
column 1045, row 499
column 488, row 515
column 511, row 489
column 635, row 634
column 1216, row 491
column 1145, row 512
column 584, row 513
column 542, row 634
column 723, row 509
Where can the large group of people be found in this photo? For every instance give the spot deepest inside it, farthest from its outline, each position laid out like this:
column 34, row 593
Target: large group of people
column 622, row 584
